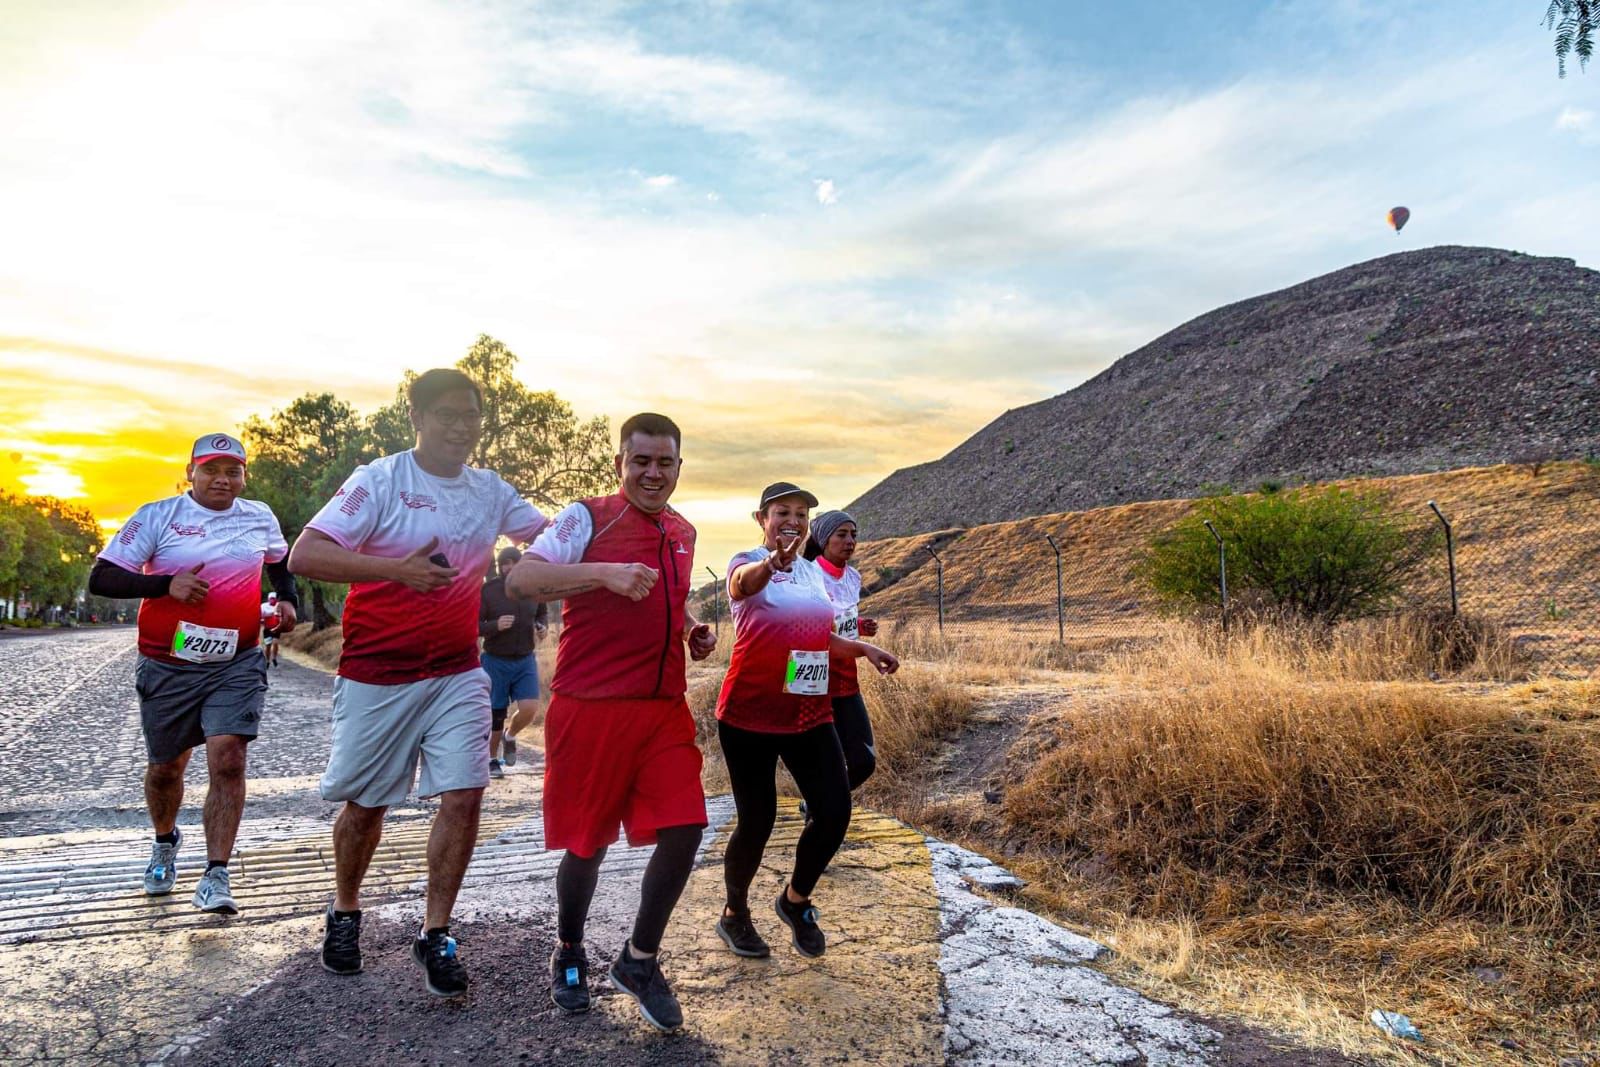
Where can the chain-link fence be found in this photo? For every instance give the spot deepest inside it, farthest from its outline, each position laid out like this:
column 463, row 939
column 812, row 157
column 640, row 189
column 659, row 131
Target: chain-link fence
column 1509, row 548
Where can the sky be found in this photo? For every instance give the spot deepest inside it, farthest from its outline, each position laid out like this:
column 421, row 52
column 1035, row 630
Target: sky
column 830, row 239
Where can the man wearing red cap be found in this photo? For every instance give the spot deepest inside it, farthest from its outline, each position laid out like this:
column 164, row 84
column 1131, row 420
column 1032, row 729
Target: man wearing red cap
column 196, row 561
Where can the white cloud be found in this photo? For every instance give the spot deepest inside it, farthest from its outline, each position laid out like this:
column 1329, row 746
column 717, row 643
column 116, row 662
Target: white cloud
column 1576, row 119
column 827, row 193
column 661, row 181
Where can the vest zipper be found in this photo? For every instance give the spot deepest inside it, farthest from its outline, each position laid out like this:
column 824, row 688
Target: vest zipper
column 666, row 576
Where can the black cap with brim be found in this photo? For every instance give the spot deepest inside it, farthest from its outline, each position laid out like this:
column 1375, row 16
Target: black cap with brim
column 777, row 490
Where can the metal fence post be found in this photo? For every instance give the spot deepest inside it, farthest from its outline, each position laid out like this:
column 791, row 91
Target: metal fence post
column 1222, row 570
column 716, row 601
column 1450, row 554
column 939, row 566
column 1061, row 616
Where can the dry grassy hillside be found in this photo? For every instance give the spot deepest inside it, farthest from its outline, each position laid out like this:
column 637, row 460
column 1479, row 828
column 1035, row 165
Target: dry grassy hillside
column 1527, row 546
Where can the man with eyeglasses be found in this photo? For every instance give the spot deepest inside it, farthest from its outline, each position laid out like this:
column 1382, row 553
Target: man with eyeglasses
column 412, row 533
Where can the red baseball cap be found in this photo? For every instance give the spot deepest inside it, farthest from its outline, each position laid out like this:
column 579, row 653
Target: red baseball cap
column 216, row 446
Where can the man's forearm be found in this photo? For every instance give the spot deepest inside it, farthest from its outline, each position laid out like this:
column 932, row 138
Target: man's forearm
column 283, row 583
column 118, row 583
column 541, row 580
column 319, row 557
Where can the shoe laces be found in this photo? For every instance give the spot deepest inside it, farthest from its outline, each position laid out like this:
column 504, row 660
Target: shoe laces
column 443, row 951
column 345, row 932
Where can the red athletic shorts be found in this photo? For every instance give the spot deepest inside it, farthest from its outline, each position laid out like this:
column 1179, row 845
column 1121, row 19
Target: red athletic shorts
column 611, row 762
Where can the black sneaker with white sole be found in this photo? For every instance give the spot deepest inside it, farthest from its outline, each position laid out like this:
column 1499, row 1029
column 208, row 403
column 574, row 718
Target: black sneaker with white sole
column 569, row 978
column 341, row 941
column 739, row 934
column 643, row 981
column 435, row 953
column 802, row 920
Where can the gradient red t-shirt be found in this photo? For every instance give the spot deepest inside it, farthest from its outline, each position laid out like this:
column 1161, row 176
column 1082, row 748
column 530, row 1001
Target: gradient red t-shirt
column 174, row 535
column 391, row 507
column 791, row 613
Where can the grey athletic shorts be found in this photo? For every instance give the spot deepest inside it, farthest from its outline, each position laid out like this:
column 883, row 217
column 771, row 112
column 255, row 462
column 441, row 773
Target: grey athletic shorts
column 381, row 731
column 182, row 704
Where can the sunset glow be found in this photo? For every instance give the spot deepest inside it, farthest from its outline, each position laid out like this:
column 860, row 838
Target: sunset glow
column 830, row 245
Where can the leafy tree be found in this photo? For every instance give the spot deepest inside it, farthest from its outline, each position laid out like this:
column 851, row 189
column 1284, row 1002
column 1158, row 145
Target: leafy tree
column 533, row 439
column 299, row 456
column 1325, row 554
column 1574, row 24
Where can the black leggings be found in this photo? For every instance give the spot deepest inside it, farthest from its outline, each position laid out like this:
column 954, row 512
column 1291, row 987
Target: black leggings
column 855, row 736
column 816, row 762
column 664, row 878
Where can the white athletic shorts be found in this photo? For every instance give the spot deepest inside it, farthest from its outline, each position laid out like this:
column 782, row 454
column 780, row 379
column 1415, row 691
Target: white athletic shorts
column 381, row 731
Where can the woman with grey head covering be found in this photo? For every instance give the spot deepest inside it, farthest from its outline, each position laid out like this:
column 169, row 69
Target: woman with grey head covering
column 832, row 544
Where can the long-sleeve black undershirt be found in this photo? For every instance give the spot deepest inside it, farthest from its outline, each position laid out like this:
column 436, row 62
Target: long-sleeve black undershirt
column 118, row 583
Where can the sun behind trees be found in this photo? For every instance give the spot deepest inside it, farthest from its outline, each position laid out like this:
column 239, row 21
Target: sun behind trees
column 302, row 453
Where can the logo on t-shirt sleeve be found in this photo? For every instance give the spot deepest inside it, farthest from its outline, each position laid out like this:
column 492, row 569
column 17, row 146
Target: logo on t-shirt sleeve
column 353, row 500
column 568, row 527
column 130, row 532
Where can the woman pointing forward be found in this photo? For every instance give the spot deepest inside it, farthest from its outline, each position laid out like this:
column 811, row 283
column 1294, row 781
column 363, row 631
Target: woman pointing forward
column 774, row 705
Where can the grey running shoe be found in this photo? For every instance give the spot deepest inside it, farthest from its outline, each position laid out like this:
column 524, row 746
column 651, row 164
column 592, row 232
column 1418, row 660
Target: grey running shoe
column 494, row 769
column 569, row 978
column 214, row 893
column 508, row 750
column 643, row 981
column 162, row 873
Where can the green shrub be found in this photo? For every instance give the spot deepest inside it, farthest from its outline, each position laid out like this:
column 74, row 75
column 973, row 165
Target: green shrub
column 1325, row 554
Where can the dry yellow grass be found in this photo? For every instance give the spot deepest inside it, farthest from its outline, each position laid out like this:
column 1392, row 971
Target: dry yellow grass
column 1267, row 827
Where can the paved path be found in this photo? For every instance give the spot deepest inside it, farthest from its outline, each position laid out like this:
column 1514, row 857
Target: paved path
column 927, row 962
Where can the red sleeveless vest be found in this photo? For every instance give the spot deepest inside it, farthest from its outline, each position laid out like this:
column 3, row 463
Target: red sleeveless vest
column 613, row 648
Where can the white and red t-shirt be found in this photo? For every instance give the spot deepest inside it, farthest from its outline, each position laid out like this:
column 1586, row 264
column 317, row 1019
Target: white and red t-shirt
column 391, row 507
column 780, row 644
column 844, row 590
column 174, row 535
column 270, row 619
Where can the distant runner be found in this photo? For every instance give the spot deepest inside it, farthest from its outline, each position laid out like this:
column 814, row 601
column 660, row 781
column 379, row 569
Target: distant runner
column 774, row 705
column 619, row 736
column 412, row 533
column 271, row 628
column 831, row 545
column 510, row 629
column 196, row 561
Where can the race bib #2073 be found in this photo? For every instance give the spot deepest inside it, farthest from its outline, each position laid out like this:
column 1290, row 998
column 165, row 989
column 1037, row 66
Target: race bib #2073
column 204, row 644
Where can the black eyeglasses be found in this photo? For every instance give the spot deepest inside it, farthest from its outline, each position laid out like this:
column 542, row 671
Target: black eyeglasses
column 449, row 417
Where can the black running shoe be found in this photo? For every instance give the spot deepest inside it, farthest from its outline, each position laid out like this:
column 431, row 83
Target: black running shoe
column 494, row 769
column 739, row 934
column 569, row 978
column 341, row 942
column 435, row 952
column 643, row 981
column 802, row 919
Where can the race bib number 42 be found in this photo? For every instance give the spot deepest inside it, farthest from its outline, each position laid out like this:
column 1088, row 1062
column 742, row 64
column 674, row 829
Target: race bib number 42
column 204, row 644
column 807, row 674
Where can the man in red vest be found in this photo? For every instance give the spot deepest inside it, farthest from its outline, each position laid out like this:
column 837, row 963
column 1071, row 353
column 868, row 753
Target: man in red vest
column 619, row 736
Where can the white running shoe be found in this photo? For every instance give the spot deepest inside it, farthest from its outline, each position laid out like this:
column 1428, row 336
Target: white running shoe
column 162, row 873
column 214, row 894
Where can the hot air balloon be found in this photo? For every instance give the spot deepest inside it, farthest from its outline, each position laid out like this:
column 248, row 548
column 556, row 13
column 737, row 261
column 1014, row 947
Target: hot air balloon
column 1398, row 217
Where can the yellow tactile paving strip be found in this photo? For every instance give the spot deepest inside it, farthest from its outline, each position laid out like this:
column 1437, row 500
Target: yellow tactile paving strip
column 874, row 997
